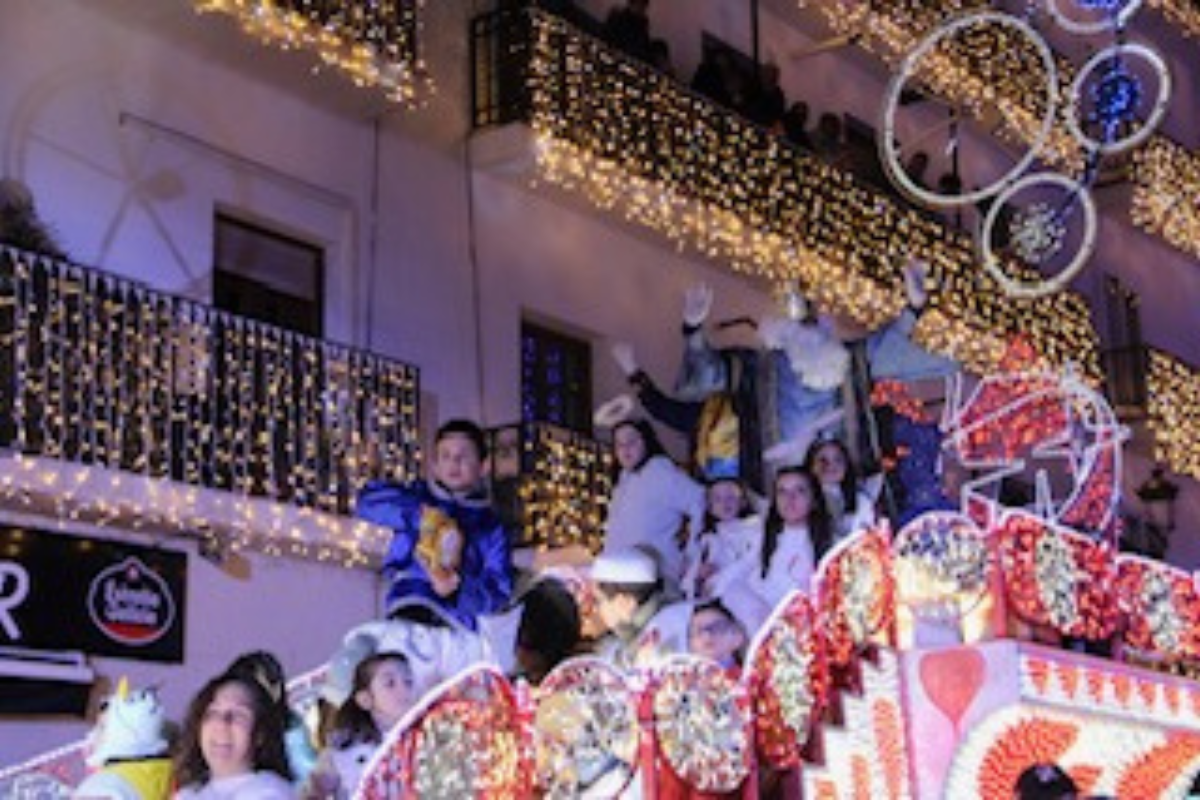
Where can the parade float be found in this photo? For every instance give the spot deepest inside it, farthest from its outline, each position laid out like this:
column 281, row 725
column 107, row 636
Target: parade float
column 939, row 660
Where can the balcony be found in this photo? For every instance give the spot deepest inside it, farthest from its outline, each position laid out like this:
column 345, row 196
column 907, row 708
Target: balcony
column 631, row 140
column 124, row 406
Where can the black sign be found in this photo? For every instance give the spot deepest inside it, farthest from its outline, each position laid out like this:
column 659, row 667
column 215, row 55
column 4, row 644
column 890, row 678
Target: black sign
column 102, row 597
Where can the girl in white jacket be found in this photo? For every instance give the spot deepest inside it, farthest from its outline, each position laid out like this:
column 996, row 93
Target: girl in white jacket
column 651, row 501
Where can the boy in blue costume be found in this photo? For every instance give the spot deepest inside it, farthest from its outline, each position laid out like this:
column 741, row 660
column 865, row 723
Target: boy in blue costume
column 450, row 559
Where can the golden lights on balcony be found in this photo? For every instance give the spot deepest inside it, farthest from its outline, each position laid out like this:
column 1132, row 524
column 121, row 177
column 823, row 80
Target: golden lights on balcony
column 1166, row 194
column 1174, row 413
column 375, row 43
column 634, row 142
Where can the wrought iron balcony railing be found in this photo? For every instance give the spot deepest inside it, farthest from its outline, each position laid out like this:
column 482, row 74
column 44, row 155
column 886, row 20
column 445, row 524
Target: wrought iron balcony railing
column 551, row 484
column 101, row 371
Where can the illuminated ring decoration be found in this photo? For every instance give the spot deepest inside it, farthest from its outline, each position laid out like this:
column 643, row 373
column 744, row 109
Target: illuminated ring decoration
column 1156, row 114
column 703, row 724
column 889, row 151
column 1099, row 26
column 586, row 730
column 991, row 262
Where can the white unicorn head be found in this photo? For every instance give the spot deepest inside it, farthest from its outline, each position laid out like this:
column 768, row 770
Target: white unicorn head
column 130, row 726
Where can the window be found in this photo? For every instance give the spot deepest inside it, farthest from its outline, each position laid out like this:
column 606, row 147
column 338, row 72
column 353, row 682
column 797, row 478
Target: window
column 267, row 276
column 1125, row 363
column 556, row 378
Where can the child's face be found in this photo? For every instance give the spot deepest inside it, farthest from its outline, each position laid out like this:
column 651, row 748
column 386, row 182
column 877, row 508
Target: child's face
column 793, row 498
column 227, row 732
column 830, row 464
column 615, row 609
column 456, row 463
column 388, row 696
column 629, row 446
column 724, row 500
column 714, row 635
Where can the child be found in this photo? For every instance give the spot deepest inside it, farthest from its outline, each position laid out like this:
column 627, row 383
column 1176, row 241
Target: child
column 715, row 633
column 630, row 600
column 549, row 630
column 232, row 744
column 795, row 535
column 850, row 505
column 450, row 559
column 265, row 669
column 719, row 543
column 651, row 499
column 382, row 694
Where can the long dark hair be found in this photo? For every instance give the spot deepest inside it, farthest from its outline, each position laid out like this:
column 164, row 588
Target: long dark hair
column 820, row 526
column 849, row 483
column 651, row 444
column 353, row 724
column 267, row 748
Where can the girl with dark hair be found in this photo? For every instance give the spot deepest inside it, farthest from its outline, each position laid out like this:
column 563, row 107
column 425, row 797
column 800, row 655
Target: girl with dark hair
column 264, row 667
column 232, row 744
column 850, row 506
column 382, row 694
column 797, row 527
column 651, row 500
column 722, row 540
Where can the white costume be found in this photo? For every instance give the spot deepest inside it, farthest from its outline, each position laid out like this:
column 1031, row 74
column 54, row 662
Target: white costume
column 251, row 786
column 646, row 509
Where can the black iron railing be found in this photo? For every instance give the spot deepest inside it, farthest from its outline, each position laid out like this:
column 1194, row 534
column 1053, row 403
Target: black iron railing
column 551, row 485
column 99, row 370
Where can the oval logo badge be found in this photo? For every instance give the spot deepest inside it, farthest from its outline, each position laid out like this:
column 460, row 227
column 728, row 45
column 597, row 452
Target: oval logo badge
column 131, row 604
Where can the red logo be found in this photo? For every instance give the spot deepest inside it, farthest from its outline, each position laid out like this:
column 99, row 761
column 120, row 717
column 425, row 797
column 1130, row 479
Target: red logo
column 131, row 604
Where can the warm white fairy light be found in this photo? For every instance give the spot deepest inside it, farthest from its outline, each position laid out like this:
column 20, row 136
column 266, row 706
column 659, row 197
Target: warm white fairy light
column 375, row 43
column 633, row 141
column 213, row 418
column 1173, row 393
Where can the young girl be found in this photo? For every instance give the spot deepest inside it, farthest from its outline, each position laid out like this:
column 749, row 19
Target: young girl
column 232, row 744
column 651, row 499
column 382, row 693
column 719, row 543
column 850, row 507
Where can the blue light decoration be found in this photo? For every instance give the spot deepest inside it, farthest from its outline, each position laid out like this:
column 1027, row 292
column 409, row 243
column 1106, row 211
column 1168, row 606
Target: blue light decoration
column 1116, row 96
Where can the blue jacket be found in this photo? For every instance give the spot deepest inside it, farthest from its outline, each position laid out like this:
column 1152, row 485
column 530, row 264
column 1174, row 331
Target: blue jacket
column 486, row 569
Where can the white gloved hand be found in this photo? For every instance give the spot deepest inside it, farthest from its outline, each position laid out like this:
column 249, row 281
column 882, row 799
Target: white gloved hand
column 697, row 302
column 915, row 272
column 622, row 353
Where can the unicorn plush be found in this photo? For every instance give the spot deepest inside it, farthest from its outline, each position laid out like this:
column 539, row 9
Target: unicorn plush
column 128, row 749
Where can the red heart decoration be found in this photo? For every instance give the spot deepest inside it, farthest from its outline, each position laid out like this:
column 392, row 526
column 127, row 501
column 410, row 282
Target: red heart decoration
column 952, row 678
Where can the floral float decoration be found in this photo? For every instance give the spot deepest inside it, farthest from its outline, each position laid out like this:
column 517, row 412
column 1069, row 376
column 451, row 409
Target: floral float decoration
column 586, row 730
column 1161, row 607
column 467, row 739
column 941, row 560
column 702, row 722
column 788, row 680
column 1056, row 577
column 857, row 594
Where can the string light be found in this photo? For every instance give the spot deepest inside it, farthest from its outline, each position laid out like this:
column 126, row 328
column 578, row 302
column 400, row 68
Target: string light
column 1173, row 394
column 128, row 406
column 375, row 43
column 1166, row 194
column 630, row 139
column 566, row 479
column 1166, row 199
column 1181, row 13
